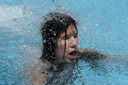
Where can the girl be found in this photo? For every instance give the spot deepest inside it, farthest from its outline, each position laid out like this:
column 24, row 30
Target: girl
column 60, row 39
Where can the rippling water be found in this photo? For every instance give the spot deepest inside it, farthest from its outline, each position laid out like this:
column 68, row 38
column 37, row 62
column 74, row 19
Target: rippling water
column 102, row 26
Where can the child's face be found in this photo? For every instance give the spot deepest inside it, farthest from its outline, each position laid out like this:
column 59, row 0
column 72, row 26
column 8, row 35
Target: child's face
column 71, row 45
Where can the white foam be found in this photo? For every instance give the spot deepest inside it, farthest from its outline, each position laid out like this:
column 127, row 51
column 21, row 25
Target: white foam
column 19, row 27
column 8, row 13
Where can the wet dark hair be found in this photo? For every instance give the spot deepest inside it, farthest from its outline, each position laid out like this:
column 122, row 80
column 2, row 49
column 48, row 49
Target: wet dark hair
column 55, row 24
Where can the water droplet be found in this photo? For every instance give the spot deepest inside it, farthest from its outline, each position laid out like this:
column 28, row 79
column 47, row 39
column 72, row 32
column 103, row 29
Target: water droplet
column 54, row 34
column 44, row 41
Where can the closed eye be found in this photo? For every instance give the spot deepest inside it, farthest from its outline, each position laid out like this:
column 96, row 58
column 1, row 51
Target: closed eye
column 76, row 35
column 68, row 37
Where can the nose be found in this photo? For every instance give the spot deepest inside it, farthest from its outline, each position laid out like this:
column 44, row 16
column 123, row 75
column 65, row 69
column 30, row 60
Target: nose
column 74, row 42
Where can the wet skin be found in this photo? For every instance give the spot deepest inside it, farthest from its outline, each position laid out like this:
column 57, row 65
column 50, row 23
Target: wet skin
column 71, row 45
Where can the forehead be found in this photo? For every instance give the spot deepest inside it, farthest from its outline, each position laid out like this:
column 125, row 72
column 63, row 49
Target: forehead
column 70, row 30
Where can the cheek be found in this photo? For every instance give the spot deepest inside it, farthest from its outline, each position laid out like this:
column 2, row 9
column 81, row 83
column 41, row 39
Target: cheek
column 68, row 42
column 61, row 45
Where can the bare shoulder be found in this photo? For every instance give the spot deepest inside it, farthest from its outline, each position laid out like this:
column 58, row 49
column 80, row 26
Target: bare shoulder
column 38, row 75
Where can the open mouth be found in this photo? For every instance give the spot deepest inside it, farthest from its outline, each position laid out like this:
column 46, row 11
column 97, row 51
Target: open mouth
column 72, row 54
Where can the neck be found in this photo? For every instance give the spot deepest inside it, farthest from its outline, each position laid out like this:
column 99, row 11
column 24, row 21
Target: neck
column 60, row 62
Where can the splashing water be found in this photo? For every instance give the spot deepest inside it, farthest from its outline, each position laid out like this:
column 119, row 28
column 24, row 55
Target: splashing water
column 102, row 26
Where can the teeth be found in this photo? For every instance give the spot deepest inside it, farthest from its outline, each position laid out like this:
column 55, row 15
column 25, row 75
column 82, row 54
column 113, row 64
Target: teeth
column 73, row 53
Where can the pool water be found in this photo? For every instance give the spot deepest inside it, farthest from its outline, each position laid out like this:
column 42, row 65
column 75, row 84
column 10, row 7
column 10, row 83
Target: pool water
column 102, row 26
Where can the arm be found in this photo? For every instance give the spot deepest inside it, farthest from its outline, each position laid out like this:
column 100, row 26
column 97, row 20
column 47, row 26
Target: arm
column 80, row 50
column 91, row 54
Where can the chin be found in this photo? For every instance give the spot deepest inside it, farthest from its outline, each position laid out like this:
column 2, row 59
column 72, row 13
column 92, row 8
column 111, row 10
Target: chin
column 70, row 61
